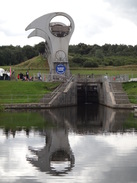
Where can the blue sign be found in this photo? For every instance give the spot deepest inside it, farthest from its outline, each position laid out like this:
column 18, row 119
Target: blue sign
column 60, row 69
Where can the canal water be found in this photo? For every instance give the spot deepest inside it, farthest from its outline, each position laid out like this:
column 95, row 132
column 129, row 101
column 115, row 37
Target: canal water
column 77, row 144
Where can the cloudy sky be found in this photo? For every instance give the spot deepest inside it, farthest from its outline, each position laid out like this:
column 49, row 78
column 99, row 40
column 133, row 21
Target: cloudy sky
column 96, row 21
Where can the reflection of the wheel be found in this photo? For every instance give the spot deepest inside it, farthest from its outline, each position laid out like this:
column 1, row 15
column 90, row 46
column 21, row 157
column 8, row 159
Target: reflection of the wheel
column 61, row 162
column 56, row 157
column 60, row 166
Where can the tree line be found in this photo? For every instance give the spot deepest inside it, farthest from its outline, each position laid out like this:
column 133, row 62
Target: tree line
column 94, row 55
column 79, row 55
column 12, row 55
column 105, row 50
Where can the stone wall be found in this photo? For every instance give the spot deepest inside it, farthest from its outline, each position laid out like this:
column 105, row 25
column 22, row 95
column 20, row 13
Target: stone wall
column 66, row 98
column 106, row 97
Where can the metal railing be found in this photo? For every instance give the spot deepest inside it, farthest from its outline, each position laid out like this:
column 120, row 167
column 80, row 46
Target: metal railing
column 80, row 78
column 60, row 88
column 101, row 78
column 118, row 78
column 50, row 77
column 88, row 78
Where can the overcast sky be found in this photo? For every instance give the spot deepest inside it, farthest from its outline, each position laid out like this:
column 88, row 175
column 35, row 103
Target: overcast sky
column 96, row 21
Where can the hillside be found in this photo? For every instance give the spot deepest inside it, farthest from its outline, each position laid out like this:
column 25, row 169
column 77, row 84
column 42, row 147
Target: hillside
column 38, row 62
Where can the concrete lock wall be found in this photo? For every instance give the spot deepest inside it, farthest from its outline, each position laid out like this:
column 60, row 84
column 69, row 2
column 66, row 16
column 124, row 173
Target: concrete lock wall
column 66, row 98
column 106, row 97
column 69, row 96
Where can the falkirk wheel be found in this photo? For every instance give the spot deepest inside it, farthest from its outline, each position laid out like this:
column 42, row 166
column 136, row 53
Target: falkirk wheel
column 57, row 36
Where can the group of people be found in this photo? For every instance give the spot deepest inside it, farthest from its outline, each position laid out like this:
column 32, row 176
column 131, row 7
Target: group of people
column 25, row 77
column 4, row 74
column 10, row 75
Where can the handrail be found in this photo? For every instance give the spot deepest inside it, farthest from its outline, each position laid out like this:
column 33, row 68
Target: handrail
column 58, row 90
column 62, row 86
column 101, row 78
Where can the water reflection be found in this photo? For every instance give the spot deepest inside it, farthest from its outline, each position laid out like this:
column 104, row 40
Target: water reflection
column 56, row 157
column 78, row 144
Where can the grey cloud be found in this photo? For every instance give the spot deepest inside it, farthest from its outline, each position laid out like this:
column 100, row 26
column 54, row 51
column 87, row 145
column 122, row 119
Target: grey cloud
column 123, row 3
column 10, row 32
column 97, row 25
column 125, row 8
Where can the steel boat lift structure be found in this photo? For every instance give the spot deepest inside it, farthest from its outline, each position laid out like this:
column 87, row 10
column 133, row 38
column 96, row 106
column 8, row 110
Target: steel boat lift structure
column 57, row 37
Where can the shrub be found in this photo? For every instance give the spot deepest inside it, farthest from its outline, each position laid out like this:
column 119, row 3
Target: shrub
column 78, row 60
column 90, row 64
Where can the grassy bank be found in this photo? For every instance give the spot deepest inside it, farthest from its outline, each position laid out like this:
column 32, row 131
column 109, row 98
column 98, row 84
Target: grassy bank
column 24, row 92
column 131, row 89
column 131, row 71
column 32, row 92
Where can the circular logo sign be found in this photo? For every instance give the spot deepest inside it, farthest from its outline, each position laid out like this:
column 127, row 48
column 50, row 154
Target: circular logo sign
column 60, row 69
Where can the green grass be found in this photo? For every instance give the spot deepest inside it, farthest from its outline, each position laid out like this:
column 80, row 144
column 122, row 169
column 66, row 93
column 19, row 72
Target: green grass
column 36, row 62
column 131, row 90
column 1, row 108
column 23, row 91
column 111, row 71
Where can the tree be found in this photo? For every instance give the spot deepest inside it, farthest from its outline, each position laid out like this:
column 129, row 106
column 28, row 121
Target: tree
column 1, row 58
column 29, row 52
column 78, row 60
column 40, row 47
column 99, row 53
column 90, row 64
column 83, row 48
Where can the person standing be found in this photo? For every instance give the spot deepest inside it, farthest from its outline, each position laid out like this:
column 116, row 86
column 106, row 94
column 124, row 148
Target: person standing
column 27, row 75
